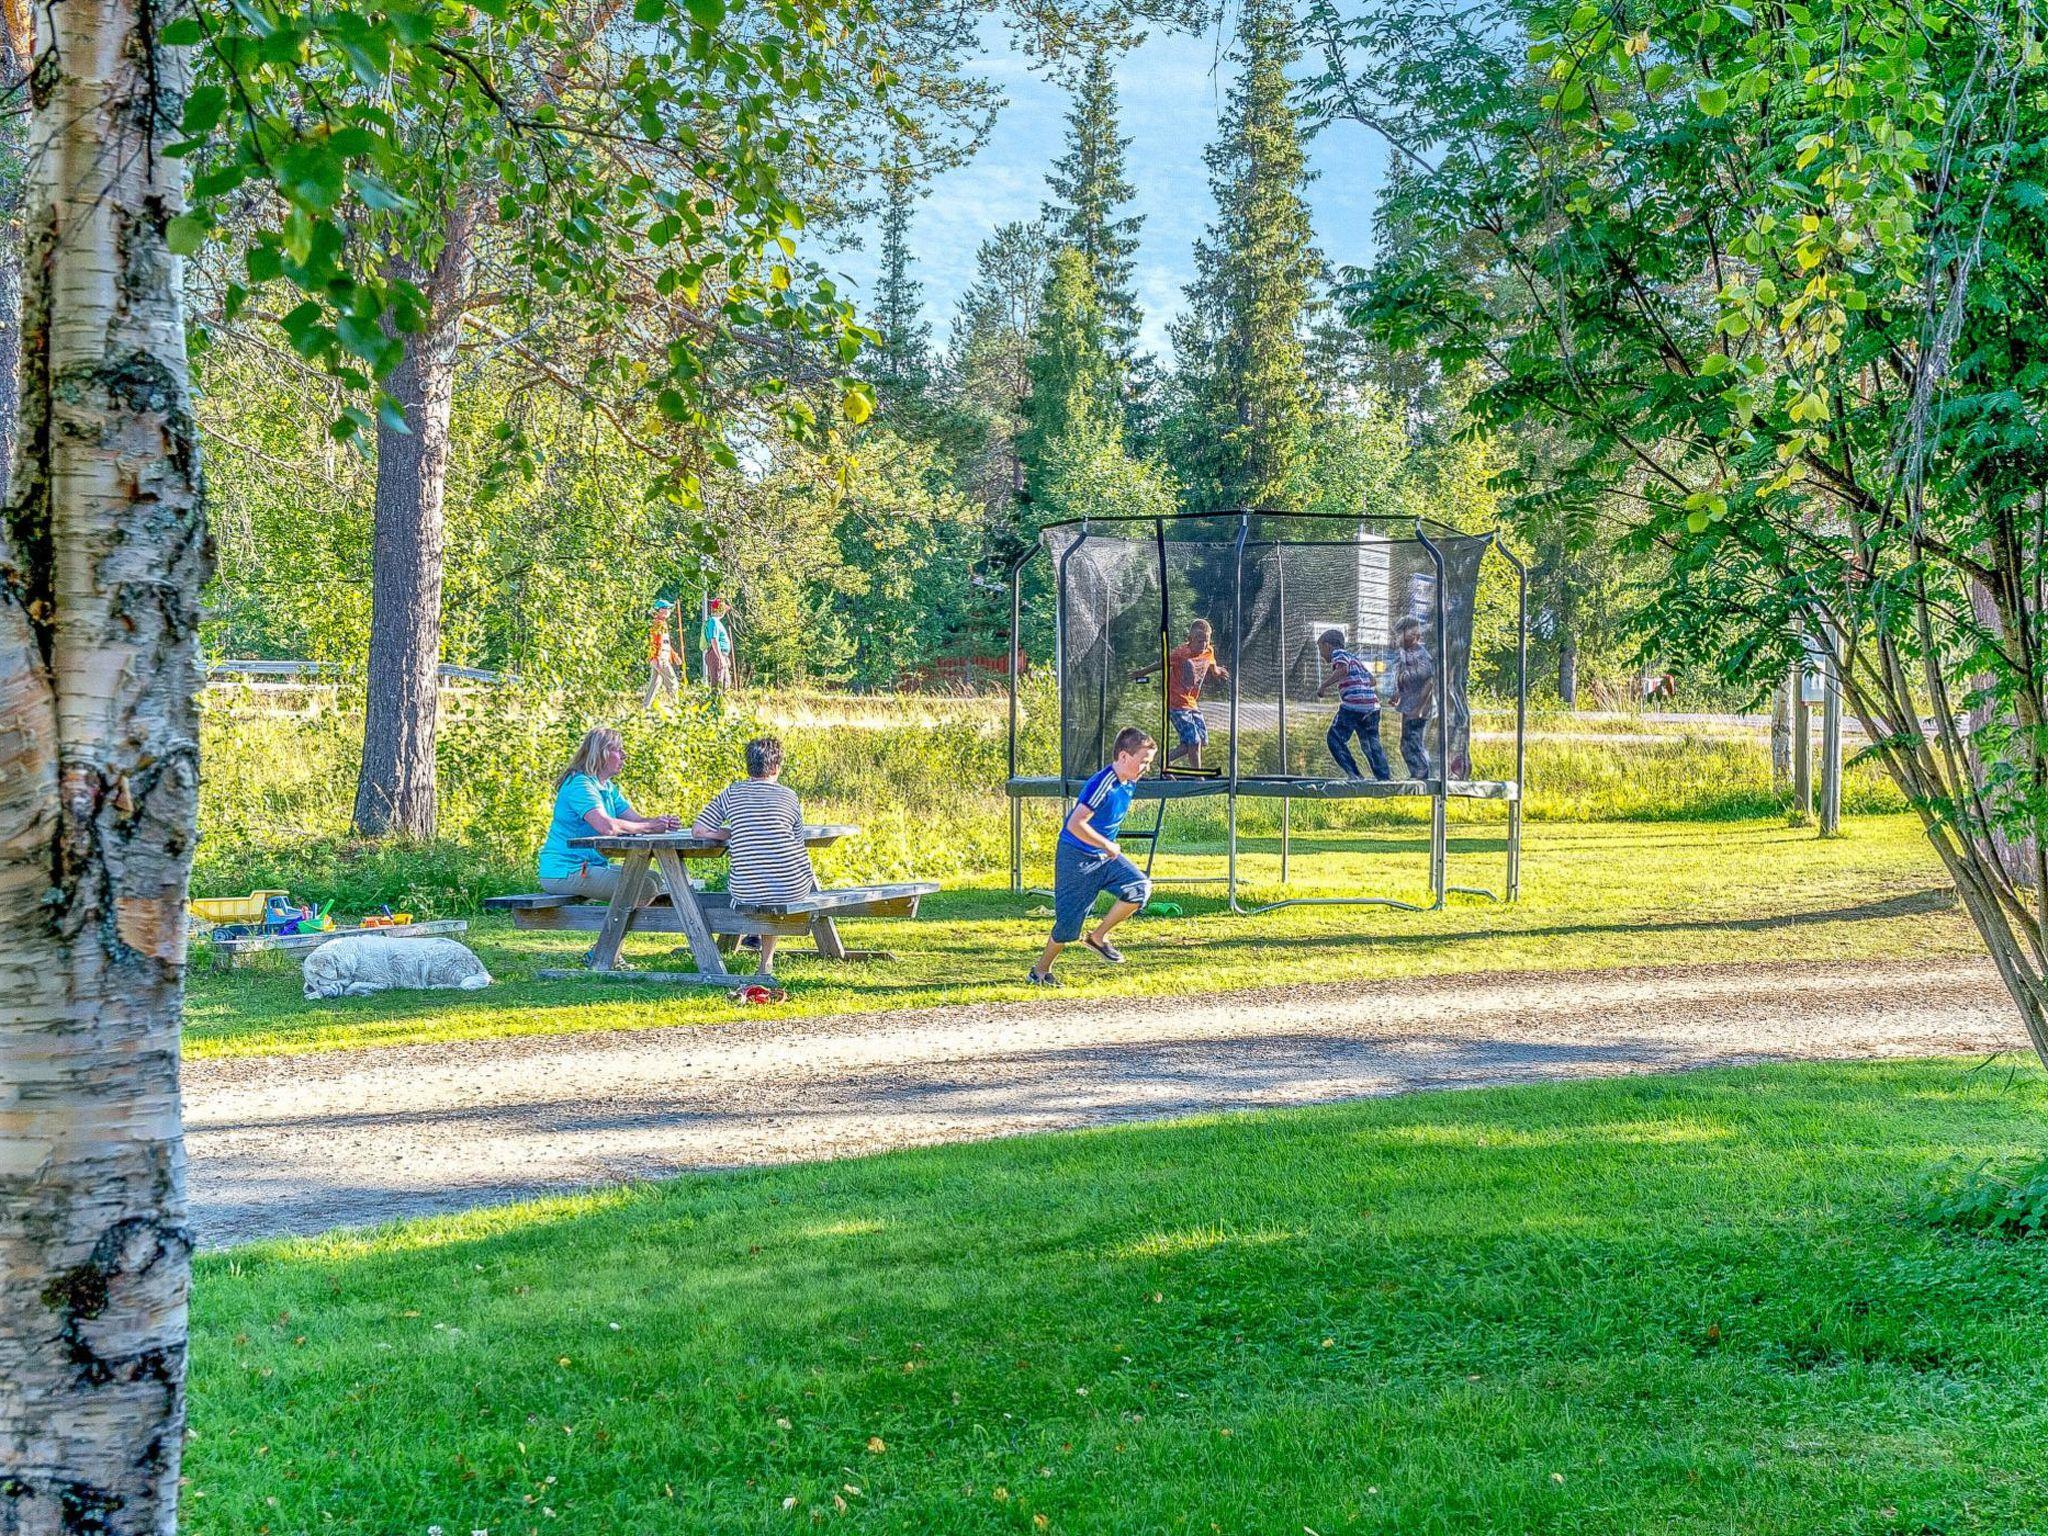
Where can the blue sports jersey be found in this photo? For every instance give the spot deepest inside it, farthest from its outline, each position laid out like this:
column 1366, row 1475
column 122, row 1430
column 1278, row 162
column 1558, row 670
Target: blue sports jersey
column 1108, row 799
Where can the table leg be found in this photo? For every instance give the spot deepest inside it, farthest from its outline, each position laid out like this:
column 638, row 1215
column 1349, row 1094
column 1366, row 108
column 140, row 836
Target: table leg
column 703, row 947
column 825, row 934
column 619, row 915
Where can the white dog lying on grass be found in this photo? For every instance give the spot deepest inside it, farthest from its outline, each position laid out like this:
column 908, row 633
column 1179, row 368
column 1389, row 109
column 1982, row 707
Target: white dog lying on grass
column 360, row 966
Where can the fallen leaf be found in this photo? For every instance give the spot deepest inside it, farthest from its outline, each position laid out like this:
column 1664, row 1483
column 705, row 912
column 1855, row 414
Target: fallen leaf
column 875, row 1445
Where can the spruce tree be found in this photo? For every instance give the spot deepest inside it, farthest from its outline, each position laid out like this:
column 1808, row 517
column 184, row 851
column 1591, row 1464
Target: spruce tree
column 904, row 357
column 1247, row 400
column 1088, row 187
column 1072, row 376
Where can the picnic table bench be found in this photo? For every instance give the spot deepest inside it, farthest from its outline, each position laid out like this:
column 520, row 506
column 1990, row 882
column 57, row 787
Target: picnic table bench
column 702, row 916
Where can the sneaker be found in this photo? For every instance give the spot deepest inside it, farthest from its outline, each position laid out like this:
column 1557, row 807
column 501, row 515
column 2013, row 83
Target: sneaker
column 1107, row 950
column 1037, row 980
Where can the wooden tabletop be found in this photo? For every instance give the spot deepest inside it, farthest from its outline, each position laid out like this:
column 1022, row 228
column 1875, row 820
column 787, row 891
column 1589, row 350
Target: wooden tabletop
column 691, row 846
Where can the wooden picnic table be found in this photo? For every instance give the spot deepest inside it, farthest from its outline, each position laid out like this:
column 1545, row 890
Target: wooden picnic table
column 667, row 852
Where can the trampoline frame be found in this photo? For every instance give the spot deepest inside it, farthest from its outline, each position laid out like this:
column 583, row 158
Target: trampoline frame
column 1166, row 784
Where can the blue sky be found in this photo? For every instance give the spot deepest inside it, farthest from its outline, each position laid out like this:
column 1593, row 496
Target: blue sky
column 1172, row 89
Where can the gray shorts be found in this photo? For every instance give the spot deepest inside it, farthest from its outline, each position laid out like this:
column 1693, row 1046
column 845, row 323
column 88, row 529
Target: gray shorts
column 1079, row 876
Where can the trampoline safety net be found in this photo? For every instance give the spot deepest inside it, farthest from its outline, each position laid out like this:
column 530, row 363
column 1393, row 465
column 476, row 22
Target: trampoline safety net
column 1268, row 586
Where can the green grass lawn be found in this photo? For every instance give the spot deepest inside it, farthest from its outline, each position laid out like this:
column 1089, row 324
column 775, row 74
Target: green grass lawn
column 1594, row 895
column 1688, row 1304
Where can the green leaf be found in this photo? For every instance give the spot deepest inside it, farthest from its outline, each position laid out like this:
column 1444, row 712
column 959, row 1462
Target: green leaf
column 648, row 12
column 181, row 33
column 706, row 13
column 1712, row 97
column 857, row 404
column 203, row 109
column 185, row 234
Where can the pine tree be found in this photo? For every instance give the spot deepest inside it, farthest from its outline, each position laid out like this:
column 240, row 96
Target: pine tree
column 1088, row 187
column 1072, row 375
column 1247, row 398
column 904, row 355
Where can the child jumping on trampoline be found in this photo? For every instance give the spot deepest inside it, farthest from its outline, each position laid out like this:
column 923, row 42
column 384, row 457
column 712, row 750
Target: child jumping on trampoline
column 1358, row 707
column 1414, row 695
column 1188, row 666
column 1089, row 862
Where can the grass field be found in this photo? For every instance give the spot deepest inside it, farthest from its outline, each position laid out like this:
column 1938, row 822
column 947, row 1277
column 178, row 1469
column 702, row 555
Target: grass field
column 1697, row 1304
column 1597, row 895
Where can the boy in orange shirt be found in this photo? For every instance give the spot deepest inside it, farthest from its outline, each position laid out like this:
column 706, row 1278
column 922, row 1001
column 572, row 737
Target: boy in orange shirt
column 1188, row 666
column 661, row 656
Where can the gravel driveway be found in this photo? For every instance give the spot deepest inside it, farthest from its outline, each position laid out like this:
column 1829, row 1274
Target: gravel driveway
column 304, row 1143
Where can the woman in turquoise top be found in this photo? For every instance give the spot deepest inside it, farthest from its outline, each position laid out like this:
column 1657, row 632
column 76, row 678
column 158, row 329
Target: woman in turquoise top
column 588, row 803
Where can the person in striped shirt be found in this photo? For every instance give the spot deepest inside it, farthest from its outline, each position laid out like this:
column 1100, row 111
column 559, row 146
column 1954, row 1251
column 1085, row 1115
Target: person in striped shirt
column 1358, row 706
column 761, row 823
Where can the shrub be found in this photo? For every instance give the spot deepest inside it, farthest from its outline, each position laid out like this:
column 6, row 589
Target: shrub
column 2009, row 1203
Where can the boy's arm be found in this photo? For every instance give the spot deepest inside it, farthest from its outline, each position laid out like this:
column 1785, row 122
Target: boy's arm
column 707, row 825
column 1081, row 822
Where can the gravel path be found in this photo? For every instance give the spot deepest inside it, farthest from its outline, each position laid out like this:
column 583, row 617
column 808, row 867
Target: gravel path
column 304, row 1143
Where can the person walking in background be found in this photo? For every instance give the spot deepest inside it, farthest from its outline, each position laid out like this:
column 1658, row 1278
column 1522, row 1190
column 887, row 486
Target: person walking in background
column 661, row 655
column 717, row 646
column 1414, row 694
column 1358, row 707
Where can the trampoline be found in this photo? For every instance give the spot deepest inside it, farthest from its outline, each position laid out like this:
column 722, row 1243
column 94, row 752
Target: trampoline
column 1125, row 592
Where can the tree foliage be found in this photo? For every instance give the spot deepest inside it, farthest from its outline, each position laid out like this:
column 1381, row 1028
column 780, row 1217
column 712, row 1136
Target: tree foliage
column 1246, row 402
column 1089, row 188
column 1776, row 275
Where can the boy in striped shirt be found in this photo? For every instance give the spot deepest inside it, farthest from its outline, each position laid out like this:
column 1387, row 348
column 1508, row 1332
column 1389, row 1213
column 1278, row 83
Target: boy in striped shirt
column 1087, row 860
column 761, row 824
column 1358, row 707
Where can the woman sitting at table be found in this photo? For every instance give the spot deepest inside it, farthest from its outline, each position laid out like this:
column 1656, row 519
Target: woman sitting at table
column 762, row 826
column 589, row 804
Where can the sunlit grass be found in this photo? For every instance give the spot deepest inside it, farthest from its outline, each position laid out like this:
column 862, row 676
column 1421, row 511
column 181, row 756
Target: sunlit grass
column 1594, row 896
column 1694, row 1305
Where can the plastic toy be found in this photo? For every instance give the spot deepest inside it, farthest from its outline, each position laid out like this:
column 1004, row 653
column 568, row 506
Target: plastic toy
column 234, row 909
column 386, row 919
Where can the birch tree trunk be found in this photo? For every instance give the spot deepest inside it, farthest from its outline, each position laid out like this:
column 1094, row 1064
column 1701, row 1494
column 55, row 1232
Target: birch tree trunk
column 395, row 790
column 104, row 555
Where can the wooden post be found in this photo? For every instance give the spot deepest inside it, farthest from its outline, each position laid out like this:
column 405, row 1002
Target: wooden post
column 1802, row 747
column 1831, row 747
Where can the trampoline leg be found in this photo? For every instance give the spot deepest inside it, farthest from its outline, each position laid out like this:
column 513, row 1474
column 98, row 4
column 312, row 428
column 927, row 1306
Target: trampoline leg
column 1286, row 834
column 1514, row 850
column 1439, row 850
column 1016, row 846
column 1230, row 880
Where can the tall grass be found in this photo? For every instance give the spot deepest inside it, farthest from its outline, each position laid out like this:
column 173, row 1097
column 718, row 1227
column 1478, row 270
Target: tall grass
column 922, row 776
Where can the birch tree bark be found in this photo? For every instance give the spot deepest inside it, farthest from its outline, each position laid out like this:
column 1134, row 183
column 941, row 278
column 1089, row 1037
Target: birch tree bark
column 101, row 561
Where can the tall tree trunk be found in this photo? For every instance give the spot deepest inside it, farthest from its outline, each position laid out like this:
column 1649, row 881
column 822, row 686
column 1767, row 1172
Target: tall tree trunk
column 1568, row 669
column 104, row 554
column 13, row 194
column 1784, row 700
column 395, row 789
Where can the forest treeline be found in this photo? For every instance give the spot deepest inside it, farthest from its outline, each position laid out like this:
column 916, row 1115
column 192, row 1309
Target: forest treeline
column 863, row 535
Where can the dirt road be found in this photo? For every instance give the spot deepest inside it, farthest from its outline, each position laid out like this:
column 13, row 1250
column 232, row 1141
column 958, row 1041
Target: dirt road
column 301, row 1144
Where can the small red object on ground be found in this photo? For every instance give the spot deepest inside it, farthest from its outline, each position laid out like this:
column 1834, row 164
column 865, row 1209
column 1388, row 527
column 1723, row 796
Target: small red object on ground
column 754, row 992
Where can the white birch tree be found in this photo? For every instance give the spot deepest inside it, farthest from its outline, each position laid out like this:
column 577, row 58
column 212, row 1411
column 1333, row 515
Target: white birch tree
column 101, row 561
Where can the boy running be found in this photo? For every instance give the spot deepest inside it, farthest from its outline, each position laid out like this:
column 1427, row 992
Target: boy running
column 1188, row 666
column 1414, row 695
column 1358, row 707
column 1088, row 861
